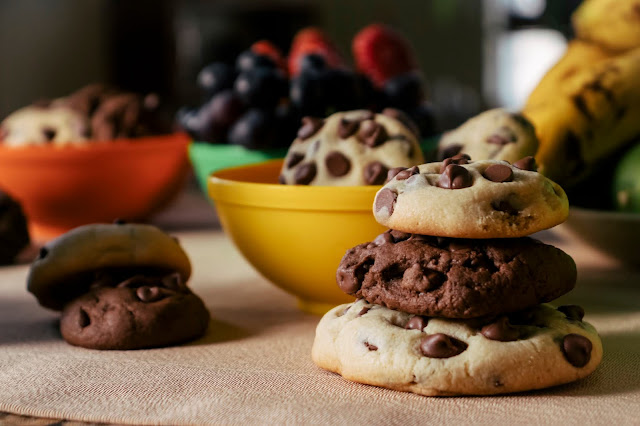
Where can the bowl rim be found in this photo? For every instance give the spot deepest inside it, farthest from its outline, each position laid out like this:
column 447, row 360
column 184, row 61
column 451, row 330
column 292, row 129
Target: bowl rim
column 222, row 187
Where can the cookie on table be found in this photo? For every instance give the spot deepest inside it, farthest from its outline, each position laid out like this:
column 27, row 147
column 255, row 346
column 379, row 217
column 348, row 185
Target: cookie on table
column 140, row 312
column 534, row 349
column 351, row 148
column 455, row 278
column 44, row 125
column 461, row 198
column 496, row 134
column 14, row 233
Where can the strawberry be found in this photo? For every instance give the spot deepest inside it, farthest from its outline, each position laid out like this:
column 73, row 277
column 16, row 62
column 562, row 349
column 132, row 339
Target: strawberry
column 266, row 48
column 382, row 53
column 312, row 40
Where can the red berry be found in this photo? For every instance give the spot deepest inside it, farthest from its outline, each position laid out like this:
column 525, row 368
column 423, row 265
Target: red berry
column 312, row 41
column 266, row 48
column 382, row 53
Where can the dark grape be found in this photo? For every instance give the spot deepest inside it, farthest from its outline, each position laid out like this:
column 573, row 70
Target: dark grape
column 404, row 91
column 312, row 63
column 307, row 94
column 425, row 117
column 341, row 90
column 261, row 87
column 288, row 123
column 256, row 129
column 215, row 78
column 249, row 60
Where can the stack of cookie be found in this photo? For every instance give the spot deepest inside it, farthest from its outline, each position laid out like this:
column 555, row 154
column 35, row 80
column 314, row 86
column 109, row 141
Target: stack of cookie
column 452, row 299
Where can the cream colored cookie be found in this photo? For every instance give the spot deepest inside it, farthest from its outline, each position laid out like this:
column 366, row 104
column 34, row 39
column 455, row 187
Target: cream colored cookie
column 612, row 24
column 475, row 199
column 65, row 267
column 36, row 125
column 496, row 134
column 374, row 345
column 350, row 148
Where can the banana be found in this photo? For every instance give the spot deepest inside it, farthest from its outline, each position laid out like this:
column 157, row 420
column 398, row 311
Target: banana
column 612, row 24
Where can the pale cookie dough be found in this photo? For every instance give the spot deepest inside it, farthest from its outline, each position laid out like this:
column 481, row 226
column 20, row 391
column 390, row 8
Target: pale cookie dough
column 543, row 347
column 475, row 199
column 350, row 148
column 36, row 125
column 496, row 134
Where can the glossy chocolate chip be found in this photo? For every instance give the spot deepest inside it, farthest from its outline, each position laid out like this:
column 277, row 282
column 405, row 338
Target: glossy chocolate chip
column 83, row 319
column 416, row 323
column 406, row 174
column 43, row 252
column 399, row 235
column 310, row 125
column 450, row 151
column 572, row 312
column 498, row 173
column 577, row 349
column 49, row 133
column 173, row 281
column 372, row 134
column 149, row 294
column 386, row 198
column 370, row 346
column 501, row 330
column 455, row 177
column 441, row 346
column 337, row 164
column 363, row 311
column 347, row 128
column 349, row 283
column 305, row 174
column 456, row 159
column 294, row 159
column 384, row 238
column 402, row 117
column 375, row 173
column 526, row 163
column 394, row 172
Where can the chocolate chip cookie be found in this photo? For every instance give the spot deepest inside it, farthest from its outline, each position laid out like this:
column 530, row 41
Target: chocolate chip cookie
column 461, row 198
column 534, row 349
column 351, row 148
column 44, row 125
column 139, row 312
column 455, row 278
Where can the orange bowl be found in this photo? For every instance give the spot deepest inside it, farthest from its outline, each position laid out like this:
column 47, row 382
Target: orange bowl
column 64, row 187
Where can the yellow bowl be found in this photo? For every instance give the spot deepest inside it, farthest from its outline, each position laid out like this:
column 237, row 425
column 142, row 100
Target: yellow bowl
column 295, row 236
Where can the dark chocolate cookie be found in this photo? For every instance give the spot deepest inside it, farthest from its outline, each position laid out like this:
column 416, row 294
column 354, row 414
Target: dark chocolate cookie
column 140, row 312
column 455, row 278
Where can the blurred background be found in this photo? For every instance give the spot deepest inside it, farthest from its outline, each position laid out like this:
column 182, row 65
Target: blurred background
column 469, row 51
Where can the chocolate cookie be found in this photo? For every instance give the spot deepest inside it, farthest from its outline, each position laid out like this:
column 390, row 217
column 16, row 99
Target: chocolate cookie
column 539, row 348
column 350, row 148
column 455, row 278
column 14, row 234
column 461, row 198
column 140, row 312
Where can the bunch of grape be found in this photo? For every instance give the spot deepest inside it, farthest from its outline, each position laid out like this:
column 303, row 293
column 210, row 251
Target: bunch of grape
column 259, row 102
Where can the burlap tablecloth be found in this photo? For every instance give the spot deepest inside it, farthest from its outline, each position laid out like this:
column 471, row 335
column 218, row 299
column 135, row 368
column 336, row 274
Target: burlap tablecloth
column 254, row 365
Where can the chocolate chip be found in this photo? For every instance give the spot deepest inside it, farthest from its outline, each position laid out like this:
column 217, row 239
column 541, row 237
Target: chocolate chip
column 149, row 294
column 506, row 207
column 83, row 319
column 49, row 133
column 282, row 180
column 350, row 283
column 498, row 173
column 372, row 134
column 347, row 128
column 416, row 323
column 386, row 198
column 577, row 349
column 173, row 281
column 405, row 174
column 363, row 311
column 572, row 312
column 456, row 159
column 441, row 346
column 501, row 330
column 370, row 346
column 337, row 163
column 526, row 163
column 43, row 252
column 310, row 125
column 402, row 117
column 305, row 174
column 394, row 172
column 383, row 238
column 399, row 235
column 295, row 158
column 375, row 173
column 119, row 221
column 455, row 177
column 450, row 151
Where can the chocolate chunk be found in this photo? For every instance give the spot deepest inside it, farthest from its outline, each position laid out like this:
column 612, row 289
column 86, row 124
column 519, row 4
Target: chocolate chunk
column 383, row 238
column 399, row 235
column 394, row 172
column 310, row 125
column 49, row 133
column 416, row 323
column 337, row 163
column 173, row 282
column 577, row 349
column 372, row 134
column 456, row 159
column 572, row 312
column 501, row 330
column 498, row 173
column 295, row 158
column 526, row 163
column 305, row 174
column 375, row 173
column 402, row 117
column 450, row 151
column 350, row 279
column 405, row 174
column 83, row 318
column 363, row 311
column 347, row 128
column 43, row 252
column 149, row 294
column 370, row 346
column 441, row 346
column 505, row 206
column 455, row 177
column 386, row 198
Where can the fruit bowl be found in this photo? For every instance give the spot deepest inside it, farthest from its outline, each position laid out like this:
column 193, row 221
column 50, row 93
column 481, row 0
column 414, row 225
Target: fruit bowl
column 64, row 187
column 295, row 236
